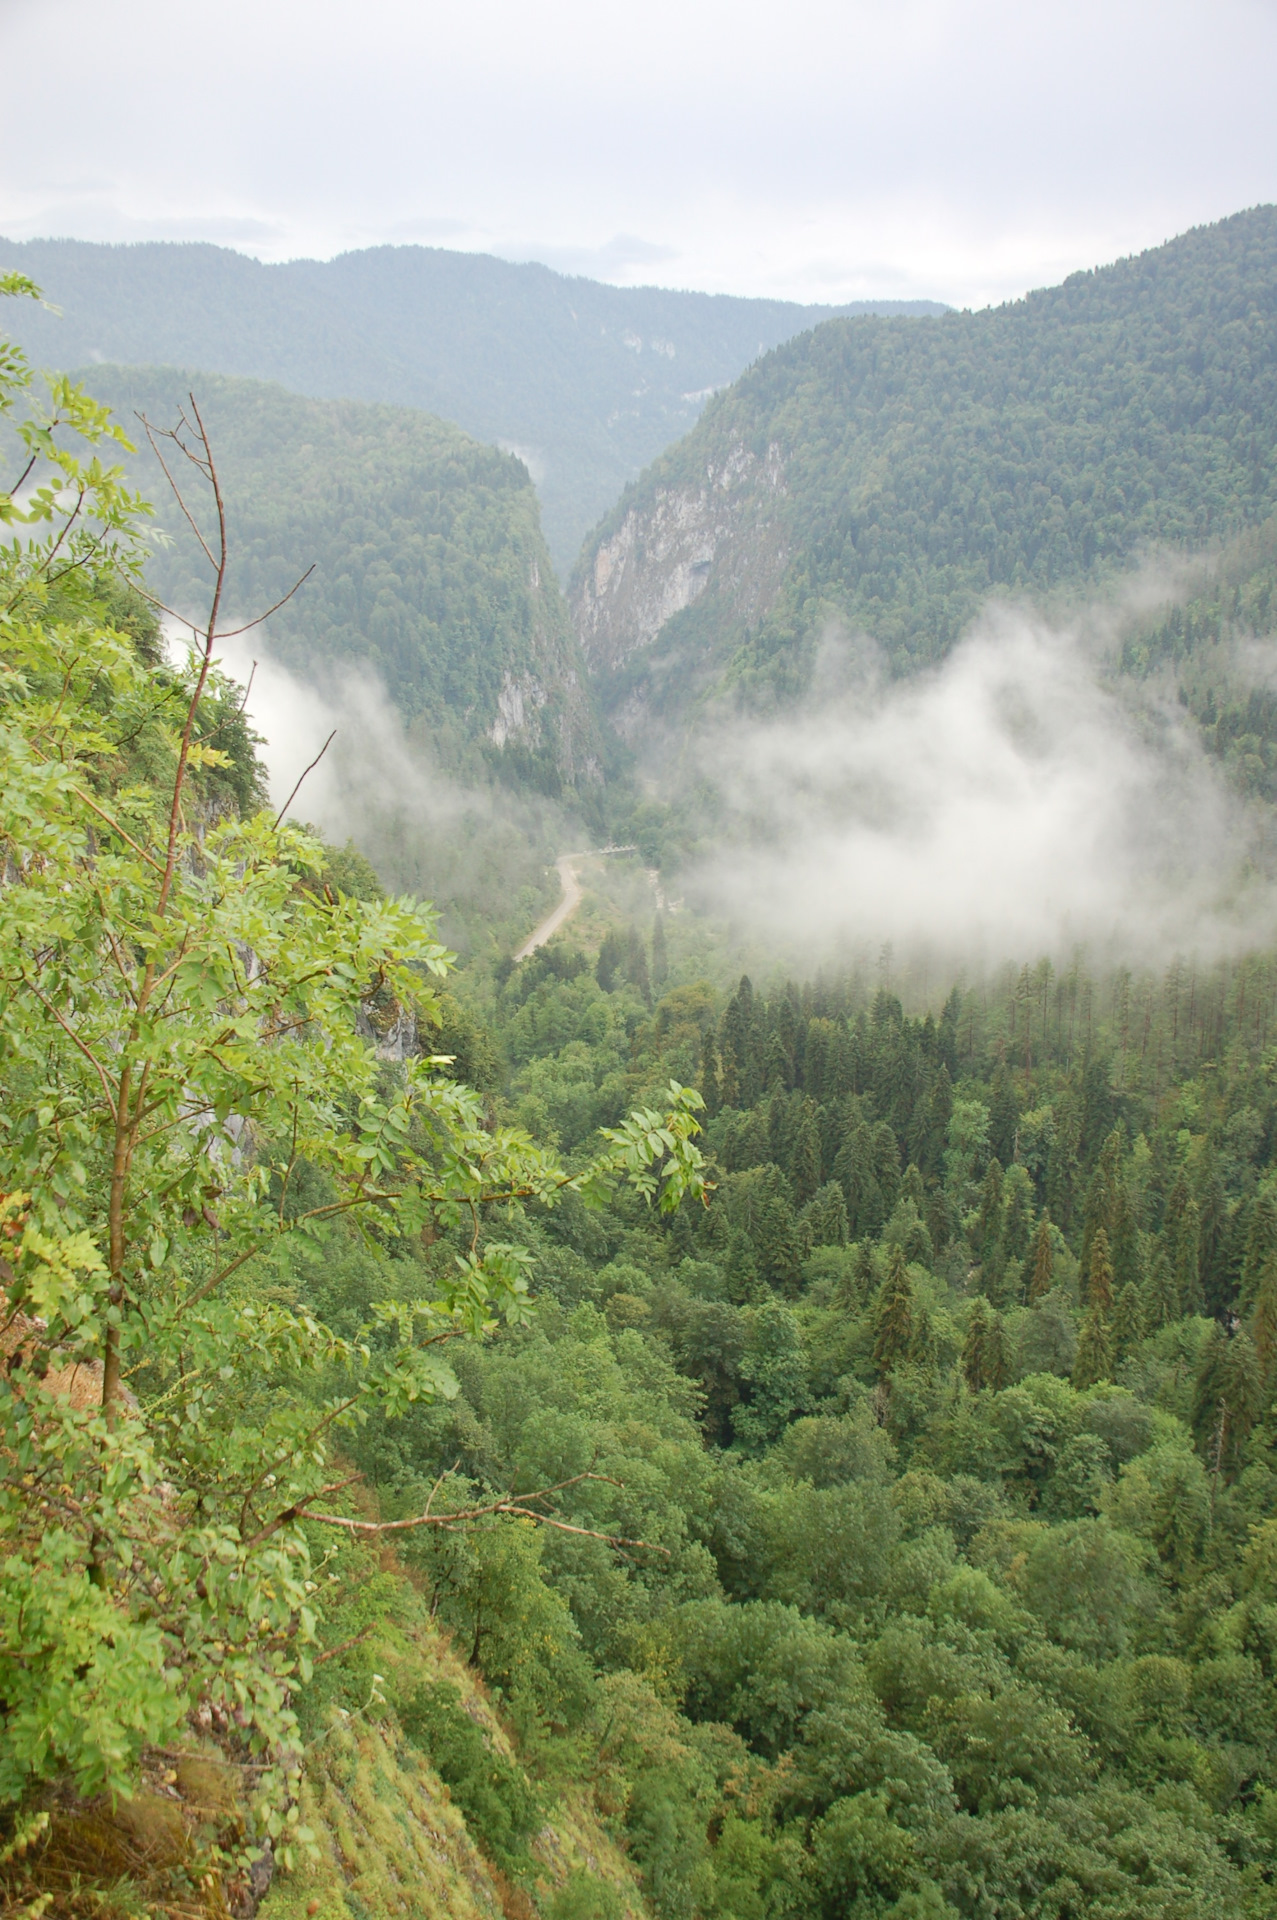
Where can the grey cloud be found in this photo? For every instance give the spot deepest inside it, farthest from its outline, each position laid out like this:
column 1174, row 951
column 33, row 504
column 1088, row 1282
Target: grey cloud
column 1012, row 802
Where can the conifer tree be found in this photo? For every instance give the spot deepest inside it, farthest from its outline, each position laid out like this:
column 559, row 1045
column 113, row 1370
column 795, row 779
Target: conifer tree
column 1187, row 1259
column 728, row 1074
column 997, row 1355
column 1042, row 1272
column 636, row 965
column 922, row 1341
column 1094, row 1360
column 1261, row 1241
column 939, row 1219
column 805, row 1170
column 1161, row 1299
column 989, row 1220
column 912, row 1187
column 1099, row 1278
column 1128, row 1320
column 974, row 1347
column 1017, row 1221
column 1226, row 1399
column 1264, row 1325
column 893, row 1316
column 611, row 955
column 866, row 1279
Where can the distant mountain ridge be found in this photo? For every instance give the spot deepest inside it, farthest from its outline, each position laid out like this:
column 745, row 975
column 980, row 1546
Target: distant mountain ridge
column 586, row 382
column 887, row 477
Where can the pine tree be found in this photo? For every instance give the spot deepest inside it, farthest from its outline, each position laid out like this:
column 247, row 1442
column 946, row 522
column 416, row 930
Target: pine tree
column 1042, row 1273
column 975, row 1345
column 1094, row 1360
column 660, row 958
column 1099, row 1279
column 893, row 1315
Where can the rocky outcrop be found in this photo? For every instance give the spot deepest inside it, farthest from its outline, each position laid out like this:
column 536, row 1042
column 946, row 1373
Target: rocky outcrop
column 722, row 531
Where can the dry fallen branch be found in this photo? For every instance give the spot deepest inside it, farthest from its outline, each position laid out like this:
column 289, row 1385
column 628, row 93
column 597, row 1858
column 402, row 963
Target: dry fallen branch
column 515, row 1505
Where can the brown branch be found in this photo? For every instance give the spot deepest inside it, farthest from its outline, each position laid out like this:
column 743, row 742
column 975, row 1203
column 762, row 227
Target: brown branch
column 343, row 1646
column 233, row 633
column 166, row 433
column 310, row 769
column 297, row 1511
column 515, row 1506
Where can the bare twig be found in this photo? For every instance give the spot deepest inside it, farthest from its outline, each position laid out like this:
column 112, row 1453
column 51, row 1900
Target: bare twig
column 516, row 1507
column 343, row 1646
column 310, row 769
column 233, row 633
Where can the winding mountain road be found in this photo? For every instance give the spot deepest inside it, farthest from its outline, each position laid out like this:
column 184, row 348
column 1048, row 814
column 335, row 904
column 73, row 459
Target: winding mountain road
column 568, row 880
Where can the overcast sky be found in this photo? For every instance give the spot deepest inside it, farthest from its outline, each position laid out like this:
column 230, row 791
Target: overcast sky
column 815, row 149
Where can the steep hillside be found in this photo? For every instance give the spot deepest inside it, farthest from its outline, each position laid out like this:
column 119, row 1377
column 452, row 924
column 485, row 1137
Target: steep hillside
column 889, row 476
column 429, row 561
column 590, row 382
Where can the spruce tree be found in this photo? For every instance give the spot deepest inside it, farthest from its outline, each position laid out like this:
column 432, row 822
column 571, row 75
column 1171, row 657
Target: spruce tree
column 1042, row 1272
column 1094, row 1360
column 1261, row 1242
column 1099, row 1278
column 997, row 1355
column 1226, row 1400
column 1186, row 1259
column 1263, row 1329
column 1128, row 1320
column 893, row 1316
column 974, row 1346
column 805, row 1170
column 1161, row 1299
column 988, row 1230
column 636, row 965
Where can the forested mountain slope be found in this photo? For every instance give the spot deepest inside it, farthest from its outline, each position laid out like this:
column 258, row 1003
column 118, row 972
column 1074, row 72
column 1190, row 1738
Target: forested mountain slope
column 590, row 381
column 430, row 566
column 889, row 477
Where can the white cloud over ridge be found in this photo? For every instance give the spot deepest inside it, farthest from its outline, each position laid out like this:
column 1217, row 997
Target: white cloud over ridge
column 1012, row 802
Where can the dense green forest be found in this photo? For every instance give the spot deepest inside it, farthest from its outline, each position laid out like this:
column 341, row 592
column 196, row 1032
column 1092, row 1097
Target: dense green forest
column 428, row 561
column 947, row 1424
column 590, row 381
column 905, row 472
column 601, row 1437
